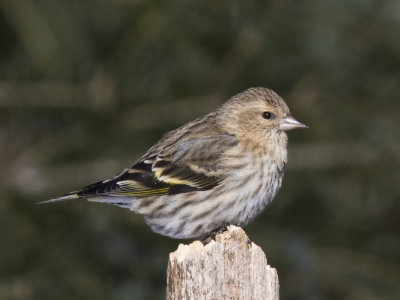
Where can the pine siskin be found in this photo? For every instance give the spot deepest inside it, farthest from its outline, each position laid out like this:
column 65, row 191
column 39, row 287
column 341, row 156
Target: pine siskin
column 222, row 168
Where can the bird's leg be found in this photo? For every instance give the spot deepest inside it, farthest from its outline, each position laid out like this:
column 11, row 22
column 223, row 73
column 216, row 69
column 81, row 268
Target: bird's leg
column 211, row 236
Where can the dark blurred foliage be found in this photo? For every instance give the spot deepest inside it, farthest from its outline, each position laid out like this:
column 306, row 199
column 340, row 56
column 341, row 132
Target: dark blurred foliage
column 87, row 86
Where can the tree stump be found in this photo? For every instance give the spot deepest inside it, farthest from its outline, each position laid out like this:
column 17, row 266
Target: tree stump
column 228, row 268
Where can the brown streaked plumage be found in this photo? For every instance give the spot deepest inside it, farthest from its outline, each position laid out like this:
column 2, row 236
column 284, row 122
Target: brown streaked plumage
column 223, row 168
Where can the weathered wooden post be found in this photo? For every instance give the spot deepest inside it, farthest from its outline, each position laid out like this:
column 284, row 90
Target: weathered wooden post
column 228, row 268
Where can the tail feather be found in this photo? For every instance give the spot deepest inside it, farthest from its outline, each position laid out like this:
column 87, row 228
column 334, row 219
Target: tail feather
column 71, row 196
column 125, row 202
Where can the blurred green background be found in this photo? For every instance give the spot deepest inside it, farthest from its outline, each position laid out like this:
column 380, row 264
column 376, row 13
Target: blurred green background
column 87, row 86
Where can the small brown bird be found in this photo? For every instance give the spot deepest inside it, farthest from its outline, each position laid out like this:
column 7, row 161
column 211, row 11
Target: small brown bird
column 223, row 168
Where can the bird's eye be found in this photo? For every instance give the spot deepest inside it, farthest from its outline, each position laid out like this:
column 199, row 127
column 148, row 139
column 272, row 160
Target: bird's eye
column 267, row 115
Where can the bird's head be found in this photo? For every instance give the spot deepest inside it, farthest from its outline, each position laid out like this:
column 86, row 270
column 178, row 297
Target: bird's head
column 258, row 114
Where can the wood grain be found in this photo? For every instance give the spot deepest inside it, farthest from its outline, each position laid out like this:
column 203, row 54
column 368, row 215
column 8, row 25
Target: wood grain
column 228, row 268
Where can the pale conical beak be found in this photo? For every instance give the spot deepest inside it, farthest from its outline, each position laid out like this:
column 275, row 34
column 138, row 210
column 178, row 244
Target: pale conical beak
column 290, row 123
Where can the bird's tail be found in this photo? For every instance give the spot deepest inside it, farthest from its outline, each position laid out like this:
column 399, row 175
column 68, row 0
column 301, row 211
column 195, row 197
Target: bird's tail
column 70, row 196
column 125, row 202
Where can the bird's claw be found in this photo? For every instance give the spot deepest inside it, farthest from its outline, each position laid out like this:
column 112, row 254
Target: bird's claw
column 211, row 236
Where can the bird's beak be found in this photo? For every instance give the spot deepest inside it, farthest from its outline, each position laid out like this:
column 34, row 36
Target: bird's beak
column 290, row 123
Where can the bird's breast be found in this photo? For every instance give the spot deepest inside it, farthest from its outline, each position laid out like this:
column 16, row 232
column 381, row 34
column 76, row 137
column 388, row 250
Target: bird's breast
column 252, row 184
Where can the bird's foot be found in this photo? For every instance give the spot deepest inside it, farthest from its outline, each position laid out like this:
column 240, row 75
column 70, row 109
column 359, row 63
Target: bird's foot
column 249, row 242
column 211, row 236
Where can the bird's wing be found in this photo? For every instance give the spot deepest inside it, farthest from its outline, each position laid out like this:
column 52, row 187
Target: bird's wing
column 191, row 165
